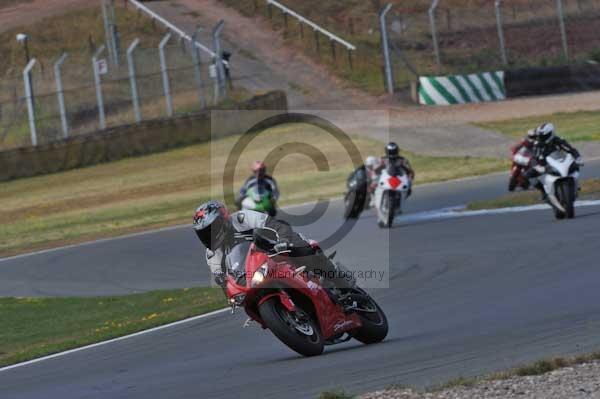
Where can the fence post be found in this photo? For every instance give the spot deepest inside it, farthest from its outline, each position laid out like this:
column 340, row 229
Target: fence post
column 197, row 70
column 563, row 32
column 436, row 48
column 98, row 84
column 389, row 79
column 165, row 73
column 497, row 5
column 114, row 32
column 107, row 30
column 132, row 79
column 216, row 37
column 60, row 94
column 30, row 101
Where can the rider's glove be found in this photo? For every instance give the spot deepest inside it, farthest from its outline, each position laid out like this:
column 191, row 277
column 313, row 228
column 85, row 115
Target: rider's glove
column 579, row 161
column 220, row 278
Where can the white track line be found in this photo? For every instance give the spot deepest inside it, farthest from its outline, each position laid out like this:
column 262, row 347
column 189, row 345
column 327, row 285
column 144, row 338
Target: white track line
column 461, row 212
column 60, row 354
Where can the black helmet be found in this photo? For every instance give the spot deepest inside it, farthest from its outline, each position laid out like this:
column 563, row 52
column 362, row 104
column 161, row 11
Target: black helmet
column 212, row 225
column 391, row 150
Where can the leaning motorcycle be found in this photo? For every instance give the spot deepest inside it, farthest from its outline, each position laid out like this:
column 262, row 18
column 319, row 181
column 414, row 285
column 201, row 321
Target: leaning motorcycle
column 392, row 190
column 560, row 180
column 356, row 193
column 292, row 303
column 259, row 199
column 521, row 161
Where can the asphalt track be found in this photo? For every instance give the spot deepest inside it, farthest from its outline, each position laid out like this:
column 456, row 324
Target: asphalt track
column 467, row 296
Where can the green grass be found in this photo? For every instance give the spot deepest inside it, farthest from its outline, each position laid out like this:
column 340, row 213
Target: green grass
column 162, row 189
column 335, row 395
column 35, row 327
column 575, row 126
column 590, row 189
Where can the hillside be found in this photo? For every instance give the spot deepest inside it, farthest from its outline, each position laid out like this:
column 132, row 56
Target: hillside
column 466, row 30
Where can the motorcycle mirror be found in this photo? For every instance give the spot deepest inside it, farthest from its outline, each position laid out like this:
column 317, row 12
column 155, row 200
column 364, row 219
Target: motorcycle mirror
column 265, row 238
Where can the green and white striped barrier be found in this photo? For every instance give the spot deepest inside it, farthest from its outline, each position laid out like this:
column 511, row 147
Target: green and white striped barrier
column 462, row 89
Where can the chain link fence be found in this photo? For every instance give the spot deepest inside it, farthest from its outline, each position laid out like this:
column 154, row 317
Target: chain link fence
column 505, row 34
column 186, row 84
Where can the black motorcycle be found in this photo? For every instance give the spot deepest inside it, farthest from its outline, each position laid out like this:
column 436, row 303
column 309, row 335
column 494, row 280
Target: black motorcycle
column 356, row 195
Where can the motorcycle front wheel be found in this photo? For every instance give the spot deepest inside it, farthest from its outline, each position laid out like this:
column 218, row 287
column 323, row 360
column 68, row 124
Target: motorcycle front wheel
column 296, row 329
column 386, row 209
column 565, row 193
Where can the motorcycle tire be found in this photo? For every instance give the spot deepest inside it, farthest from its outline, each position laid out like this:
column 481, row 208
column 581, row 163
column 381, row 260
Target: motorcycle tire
column 374, row 326
column 350, row 205
column 277, row 318
column 388, row 203
column 569, row 199
column 512, row 184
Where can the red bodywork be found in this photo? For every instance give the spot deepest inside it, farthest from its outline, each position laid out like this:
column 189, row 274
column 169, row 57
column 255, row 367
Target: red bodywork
column 292, row 289
column 521, row 162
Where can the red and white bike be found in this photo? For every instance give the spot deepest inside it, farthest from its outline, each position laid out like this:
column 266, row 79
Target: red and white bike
column 521, row 162
column 292, row 303
column 393, row 188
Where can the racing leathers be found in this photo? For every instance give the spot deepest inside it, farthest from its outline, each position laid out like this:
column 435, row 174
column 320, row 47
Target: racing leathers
column 301, row 252
column 384, row 162
column 265, row 182
column 542, row 149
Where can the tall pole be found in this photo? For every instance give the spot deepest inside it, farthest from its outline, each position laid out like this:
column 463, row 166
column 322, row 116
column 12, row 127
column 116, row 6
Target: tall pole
column 60, row 94
column 132, row 80
column 216, row 36
column 107, row 29
column 389, row 79
column 165, row 73
column 98, row 84
column 497, row 5
column 436, row 48
column 30, row 101
column 563, row 31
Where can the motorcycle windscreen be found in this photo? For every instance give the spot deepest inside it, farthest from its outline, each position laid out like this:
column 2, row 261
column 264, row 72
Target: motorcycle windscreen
column 235, row 262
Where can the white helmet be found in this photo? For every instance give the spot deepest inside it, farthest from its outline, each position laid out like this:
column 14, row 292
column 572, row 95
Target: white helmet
column 545, row 132
column 531, row 134
column 371, row 162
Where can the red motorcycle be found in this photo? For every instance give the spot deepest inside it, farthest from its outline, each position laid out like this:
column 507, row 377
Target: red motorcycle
column 521, row 162
column 292, row 303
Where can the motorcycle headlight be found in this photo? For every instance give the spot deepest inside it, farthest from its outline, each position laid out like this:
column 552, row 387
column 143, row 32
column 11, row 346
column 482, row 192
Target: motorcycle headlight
column 259, row 275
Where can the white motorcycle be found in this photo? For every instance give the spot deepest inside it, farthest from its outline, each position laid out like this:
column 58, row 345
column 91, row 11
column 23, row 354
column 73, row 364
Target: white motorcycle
column 560, row 179
column 392, row 190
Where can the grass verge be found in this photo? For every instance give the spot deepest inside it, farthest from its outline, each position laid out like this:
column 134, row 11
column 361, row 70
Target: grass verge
column 590, row 189
column 573, row 126
column 163, row 189
column 36, row 327
column 537, row 368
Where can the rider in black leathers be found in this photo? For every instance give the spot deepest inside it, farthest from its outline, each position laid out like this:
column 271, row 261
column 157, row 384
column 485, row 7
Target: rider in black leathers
column 547, row 142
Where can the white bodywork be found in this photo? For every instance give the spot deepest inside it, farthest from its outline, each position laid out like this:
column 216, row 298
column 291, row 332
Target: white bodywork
column 400, row 183
column 561, row 163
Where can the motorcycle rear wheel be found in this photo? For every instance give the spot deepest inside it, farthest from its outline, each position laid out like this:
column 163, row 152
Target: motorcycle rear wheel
column 302, row 337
